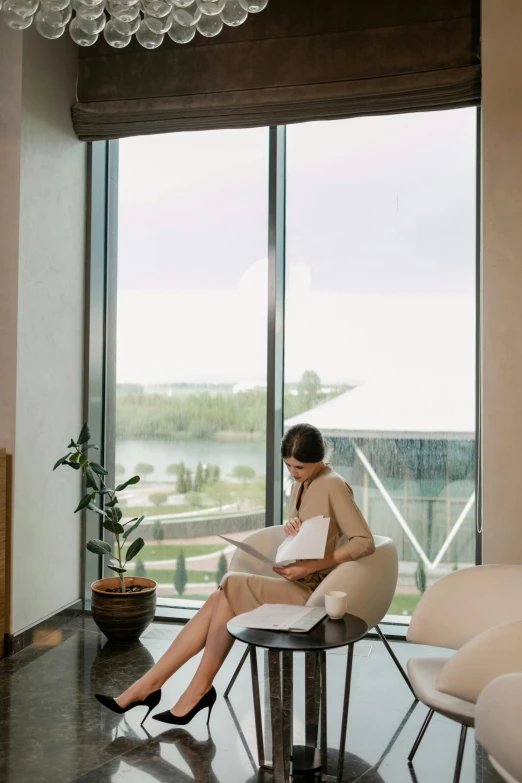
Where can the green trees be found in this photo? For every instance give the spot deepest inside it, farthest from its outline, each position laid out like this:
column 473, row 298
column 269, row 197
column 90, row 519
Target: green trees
column 119, row 469
column 245, row 472
column 140, row 568
column 220, row 492
column 144, row 468
column 173, row 468
column 199, row 478
column 222, row 568
column 158, row 531
column 197, row 416
column 180, row 574
column 194, row 499
column 183, row 479
column 158, row 498
column 420, row 577
column 188, row 480
column 211, row 474
column 309, row 387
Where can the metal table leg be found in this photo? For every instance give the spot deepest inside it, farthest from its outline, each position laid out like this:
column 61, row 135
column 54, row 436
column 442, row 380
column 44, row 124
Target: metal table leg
column 276, row 715
column 344, row 722
column 312, row 698
column 288, row 712
column 257, row 706
column 324, row 712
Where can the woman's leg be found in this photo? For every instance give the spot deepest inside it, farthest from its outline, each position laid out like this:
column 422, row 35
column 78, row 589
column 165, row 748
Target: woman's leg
column 187, row 643
column 240, row 593
column 217, row 647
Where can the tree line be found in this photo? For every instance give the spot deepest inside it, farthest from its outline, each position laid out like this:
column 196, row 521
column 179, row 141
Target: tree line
column 202, row 415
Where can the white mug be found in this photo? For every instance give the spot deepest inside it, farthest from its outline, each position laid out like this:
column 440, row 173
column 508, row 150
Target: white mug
column 335, row 604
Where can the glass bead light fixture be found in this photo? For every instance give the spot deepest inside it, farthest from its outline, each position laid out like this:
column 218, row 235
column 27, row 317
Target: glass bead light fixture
column 120, row 20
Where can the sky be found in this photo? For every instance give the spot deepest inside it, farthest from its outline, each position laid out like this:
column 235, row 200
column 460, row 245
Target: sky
column 380, row 250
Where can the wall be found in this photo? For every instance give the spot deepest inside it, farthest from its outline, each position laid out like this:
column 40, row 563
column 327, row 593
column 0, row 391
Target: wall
column 48, row 342
column 10, row 125
column 502, row 280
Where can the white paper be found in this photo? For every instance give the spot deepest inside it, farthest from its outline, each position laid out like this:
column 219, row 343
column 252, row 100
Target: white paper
column 280, row 617
column 308, row 544
column 250, row 550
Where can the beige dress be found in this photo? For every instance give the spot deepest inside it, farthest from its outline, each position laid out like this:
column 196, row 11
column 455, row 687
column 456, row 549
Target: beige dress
column 326, row 494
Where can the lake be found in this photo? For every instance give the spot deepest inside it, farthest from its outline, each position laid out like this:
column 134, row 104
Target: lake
column 159, row 453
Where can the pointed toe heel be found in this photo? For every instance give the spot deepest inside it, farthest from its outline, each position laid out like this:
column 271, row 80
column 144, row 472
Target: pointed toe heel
column 152, row 701
column 206, row 701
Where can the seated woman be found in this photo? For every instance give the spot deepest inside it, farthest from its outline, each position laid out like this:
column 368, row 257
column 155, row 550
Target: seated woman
column 318, row 490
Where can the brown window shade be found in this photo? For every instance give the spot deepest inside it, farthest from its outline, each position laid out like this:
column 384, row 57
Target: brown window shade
column 298, row 60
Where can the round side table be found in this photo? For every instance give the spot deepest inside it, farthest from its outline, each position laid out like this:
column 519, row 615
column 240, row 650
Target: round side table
column 289, row 759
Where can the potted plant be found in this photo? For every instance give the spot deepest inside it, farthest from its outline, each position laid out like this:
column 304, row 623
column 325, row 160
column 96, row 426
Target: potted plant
column 122, row 606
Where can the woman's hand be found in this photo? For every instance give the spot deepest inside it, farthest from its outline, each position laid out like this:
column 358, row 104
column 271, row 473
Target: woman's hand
column 292, row 526
column 294, row 571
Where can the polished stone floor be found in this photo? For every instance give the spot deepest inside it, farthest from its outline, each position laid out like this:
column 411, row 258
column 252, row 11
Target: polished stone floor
column 53, row 731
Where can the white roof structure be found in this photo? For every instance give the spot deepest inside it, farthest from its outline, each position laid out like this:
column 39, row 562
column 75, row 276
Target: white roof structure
column 428, row 407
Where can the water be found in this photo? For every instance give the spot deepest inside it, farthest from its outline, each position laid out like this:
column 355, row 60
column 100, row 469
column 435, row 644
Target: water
column 160, row 454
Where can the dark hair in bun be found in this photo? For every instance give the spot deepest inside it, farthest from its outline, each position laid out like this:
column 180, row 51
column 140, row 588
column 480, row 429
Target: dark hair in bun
column 303, row 442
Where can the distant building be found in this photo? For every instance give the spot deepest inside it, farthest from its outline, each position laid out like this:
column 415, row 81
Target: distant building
column 407, row 447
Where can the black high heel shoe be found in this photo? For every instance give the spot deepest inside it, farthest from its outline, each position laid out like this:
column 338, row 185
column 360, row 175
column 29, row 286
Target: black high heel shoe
column 152, row 700
column 208, row 700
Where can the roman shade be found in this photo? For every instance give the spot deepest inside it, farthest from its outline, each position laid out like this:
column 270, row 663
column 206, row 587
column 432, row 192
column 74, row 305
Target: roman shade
column 298, row 60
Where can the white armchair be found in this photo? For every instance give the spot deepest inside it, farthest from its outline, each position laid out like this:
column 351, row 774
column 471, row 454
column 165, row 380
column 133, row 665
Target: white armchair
column 368, row 582
column 498, row 725
column 478, row 612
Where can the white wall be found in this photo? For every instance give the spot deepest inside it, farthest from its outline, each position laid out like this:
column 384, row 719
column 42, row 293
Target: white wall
column 49, row 376
column 10, row 124
column 502, row 280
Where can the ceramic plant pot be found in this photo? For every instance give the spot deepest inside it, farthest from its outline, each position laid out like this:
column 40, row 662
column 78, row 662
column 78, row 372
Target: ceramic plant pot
column 123, row 617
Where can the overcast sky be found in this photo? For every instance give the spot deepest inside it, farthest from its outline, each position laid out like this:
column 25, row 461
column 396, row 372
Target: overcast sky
column 380, row 250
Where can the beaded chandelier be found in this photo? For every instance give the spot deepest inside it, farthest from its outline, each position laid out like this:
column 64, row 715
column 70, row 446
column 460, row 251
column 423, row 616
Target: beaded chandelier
column 119, row 20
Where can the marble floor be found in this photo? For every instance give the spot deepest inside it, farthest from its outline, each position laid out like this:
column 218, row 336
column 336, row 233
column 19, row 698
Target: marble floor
column 53, row 731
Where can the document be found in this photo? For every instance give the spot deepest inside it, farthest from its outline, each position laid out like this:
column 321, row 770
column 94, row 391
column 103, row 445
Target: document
column 280, row 617
column 308, row 544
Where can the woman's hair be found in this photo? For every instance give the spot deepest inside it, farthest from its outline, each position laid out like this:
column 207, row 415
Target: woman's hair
column 303, row 442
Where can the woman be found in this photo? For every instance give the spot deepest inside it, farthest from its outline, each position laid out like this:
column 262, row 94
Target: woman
column 318, row 490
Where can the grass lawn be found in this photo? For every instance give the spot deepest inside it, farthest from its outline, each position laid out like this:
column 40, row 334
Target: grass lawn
column 153, row 511
column 166, row 577
column 171, row 551
column 404, row 603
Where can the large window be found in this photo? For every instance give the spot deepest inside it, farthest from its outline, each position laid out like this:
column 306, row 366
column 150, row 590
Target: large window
column 191, row 349
column 379, row 346
column 380, row 328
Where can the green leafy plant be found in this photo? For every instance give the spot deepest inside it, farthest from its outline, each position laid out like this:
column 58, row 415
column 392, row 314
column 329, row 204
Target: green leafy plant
column 109, row 509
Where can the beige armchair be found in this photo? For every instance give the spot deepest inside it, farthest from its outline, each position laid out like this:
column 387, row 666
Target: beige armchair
column 478, row 612
column 369, row 582
column 498, row 725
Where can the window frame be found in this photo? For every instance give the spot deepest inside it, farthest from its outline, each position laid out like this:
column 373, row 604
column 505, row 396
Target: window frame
column 101, row 337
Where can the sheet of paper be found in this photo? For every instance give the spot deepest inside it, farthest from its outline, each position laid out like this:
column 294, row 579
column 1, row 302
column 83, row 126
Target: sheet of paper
column 280, row 617
column 308, row 544
column 250, row 550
